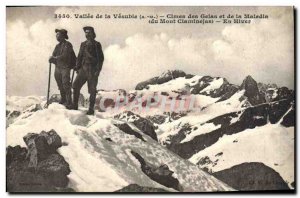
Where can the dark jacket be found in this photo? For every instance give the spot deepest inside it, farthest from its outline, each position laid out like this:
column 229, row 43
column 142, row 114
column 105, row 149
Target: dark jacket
column 62, row 52
column 90, row 53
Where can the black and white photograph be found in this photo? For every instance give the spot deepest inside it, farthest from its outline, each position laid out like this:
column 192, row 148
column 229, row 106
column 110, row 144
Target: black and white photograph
column 150, row 99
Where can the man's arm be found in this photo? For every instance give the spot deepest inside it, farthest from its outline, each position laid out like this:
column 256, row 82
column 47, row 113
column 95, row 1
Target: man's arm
column 79, row 57
column 54, row 51
column 52, row 58
column 100, row 56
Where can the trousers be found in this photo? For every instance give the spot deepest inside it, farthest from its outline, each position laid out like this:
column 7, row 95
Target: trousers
column 62, row 77
column 85, row 74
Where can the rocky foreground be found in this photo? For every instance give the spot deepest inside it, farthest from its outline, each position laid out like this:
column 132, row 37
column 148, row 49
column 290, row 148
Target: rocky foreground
column 39, row 167
column 91, row 154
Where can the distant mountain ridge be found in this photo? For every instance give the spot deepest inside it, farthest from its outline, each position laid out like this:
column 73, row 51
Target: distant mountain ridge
column 220, row 87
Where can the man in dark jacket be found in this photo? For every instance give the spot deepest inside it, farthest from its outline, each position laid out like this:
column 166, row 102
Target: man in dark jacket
column 61, row 57
column 89, row 64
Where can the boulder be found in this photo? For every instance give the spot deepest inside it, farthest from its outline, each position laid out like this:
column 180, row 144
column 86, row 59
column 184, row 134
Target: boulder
column 161, row 174
column 16, row 153
column 53, row 139
column 38, row 149
column 40, row 146
column 55, row 168
column 252, row 176
column 37, row 168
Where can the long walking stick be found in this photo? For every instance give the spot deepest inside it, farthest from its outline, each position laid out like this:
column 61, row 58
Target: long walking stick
column 72, row 85
column 49, row 80
column 72, row 77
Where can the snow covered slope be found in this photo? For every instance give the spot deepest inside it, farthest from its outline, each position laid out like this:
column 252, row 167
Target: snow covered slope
column 100, row 154
column 272, row 144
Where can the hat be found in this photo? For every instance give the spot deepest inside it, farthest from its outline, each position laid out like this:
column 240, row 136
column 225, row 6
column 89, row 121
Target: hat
column 88, row 28
column 63, row 32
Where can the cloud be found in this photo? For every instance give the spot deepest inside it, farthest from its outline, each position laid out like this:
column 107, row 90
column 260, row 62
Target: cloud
column 264, row 50
column 26, row 59
column 135, row 52
column 143, row 57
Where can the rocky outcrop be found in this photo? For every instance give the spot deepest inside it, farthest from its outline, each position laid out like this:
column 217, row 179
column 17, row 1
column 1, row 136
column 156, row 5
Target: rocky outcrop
column 40, row 146
column 228, row 90
column 289, row 119
column 38, row 168
column 137, row 188
column 127, row 129
column 161, row 174
column 141, row 123
column 165, row 77
column 274, row 93
column 146, row 127
column 252, row 177
column 251, row 91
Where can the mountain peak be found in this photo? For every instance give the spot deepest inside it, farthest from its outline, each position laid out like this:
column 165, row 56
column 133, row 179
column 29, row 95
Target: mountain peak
column 251, row 90
column 172, row 73
column 164, row 77
column 249, row 82
column 249, row 78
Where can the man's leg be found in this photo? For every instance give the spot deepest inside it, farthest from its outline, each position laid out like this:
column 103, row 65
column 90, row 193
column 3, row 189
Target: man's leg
column 77, row 85
column 67, row 86
column 92, row 88
column 58, row 78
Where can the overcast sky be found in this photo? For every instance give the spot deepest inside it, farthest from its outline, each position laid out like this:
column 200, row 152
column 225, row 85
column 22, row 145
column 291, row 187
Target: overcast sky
column 136, row 51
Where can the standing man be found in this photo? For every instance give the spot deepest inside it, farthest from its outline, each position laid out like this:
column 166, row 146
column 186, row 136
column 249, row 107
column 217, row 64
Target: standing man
column 89, row 64
column 63, row 57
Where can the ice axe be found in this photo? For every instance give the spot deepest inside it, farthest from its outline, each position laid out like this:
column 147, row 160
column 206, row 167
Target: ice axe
column 72, row 77
column 49, row 80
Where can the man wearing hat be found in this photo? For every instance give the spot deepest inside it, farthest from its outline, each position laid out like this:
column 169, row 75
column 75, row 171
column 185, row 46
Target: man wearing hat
column 62, row 58
column 88, row 66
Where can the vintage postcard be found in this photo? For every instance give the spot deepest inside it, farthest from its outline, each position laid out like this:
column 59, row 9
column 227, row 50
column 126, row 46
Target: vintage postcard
column 150, row 99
